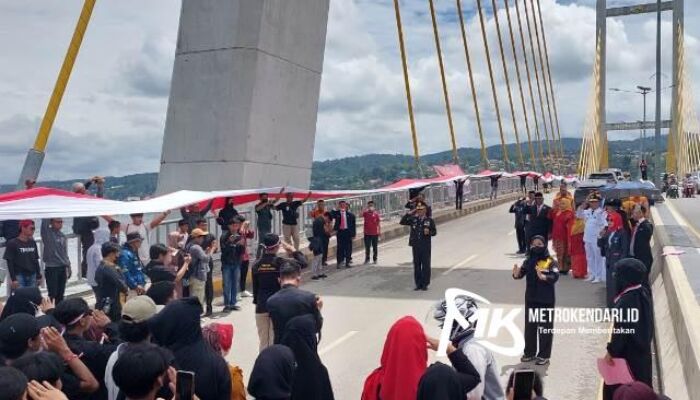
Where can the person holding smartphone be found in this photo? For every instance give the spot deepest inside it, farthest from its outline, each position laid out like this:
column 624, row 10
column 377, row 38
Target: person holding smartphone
column 524, row 384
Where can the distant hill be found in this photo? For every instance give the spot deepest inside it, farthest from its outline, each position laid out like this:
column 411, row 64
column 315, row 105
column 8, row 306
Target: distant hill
column 375, row 170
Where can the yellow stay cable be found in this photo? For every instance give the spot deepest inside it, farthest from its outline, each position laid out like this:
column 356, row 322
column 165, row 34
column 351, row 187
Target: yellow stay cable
column 504, row 149
column 484, row 155
column 537, row 82
column 507, row 79
column 407, row 85
column 544, row 82
column 551, row 84
column 529, row 84
column 455, row 157
column 520, row 86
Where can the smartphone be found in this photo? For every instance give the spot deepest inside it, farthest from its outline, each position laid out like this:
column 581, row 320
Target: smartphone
column 185, row 385
column 523, row 384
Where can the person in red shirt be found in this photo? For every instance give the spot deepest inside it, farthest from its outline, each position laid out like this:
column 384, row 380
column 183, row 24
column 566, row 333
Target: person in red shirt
column 372, row 230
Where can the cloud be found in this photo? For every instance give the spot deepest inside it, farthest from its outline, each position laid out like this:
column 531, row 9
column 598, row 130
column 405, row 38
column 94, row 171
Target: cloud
column 112, row 117
column 147, row 71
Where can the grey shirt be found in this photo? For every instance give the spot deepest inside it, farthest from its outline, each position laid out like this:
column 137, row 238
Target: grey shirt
column 200, row 262
column 55, row 252
column 490, row 387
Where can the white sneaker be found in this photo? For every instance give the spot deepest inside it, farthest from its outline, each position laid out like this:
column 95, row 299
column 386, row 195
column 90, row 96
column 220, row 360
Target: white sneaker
column 246, row 293
column 596, row 280
column 589, row 279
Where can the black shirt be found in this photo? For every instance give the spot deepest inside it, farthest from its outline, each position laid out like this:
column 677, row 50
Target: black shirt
column 157, row 272
column 231, row 248
column 290, row 215
column 266, row 272
column 289, row 302
column 109, row 284
column 22, row 258
column 95, row 357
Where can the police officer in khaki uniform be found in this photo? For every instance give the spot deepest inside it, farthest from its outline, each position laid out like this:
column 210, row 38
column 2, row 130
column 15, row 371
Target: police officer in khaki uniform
column 420, row 240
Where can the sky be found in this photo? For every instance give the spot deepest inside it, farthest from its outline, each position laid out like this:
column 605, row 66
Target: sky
column 112, row 118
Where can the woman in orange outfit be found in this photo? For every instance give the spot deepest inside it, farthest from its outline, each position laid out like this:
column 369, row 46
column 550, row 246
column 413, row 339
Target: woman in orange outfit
column 577, row 250
column 562, row 220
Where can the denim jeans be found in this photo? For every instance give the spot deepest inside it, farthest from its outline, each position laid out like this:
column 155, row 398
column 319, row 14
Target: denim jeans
column 26, row 280
column 231, row 278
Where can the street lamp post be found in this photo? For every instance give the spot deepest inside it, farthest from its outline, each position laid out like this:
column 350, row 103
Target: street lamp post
column 644, row 90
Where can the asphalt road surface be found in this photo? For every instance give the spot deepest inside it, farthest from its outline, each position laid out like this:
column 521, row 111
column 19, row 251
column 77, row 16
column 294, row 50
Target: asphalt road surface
column 474, row 253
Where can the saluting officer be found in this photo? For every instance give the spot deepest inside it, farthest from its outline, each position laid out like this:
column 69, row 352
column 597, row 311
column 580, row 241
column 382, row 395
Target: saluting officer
column 422, row 231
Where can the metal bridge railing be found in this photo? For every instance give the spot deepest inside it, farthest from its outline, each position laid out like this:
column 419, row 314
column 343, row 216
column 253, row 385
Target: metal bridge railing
column 390, row 206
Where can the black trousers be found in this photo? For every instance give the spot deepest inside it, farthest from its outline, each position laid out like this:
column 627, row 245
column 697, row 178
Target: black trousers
column 459, row 199
column 644, row 175
column 421, row 265
column 56, row 282
column 85, row 242
column 324, row 243
column 244, row 274
column 209, row 288
column 534, row 332
column 344, row 247
column 371, row 241
column 521, row 238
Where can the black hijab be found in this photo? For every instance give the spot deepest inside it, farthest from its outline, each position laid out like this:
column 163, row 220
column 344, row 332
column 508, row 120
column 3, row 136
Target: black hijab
column 178, row 324
column 273, row 374
column 23, row 300
column 630, row 274
column 440, row 382
column 532, row 257
column 311, row 380
column 177, row 327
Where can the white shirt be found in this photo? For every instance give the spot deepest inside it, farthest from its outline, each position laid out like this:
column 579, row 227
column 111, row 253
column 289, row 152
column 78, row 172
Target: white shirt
column 596, row 221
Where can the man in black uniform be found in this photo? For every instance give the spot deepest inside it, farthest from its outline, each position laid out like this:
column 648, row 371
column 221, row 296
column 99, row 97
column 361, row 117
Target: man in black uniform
column 266, row 274
column 290, row 301
column 539, row 222
column 459, row 193
column 519, row 208
column 422, row 231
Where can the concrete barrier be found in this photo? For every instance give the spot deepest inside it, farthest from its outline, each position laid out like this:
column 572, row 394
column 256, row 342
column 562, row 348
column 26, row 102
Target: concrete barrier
column 676, row 310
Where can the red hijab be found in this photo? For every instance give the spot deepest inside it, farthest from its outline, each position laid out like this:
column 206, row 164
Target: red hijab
column 616, row 222
column 403, row 362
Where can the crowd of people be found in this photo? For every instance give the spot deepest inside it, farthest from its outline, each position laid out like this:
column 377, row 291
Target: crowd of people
column 604, row 241
column 144, row 333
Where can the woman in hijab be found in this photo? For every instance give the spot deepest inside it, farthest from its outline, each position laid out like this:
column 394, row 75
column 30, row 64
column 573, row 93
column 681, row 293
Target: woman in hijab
column 577, row 250
column 615, row 245
column 541, row 273
column 23, row 300
column 631, row 340
column 403, row 362
column 562, row 221
column 311, row 380
column 273, row 374
column 177, row 328
column 440, row 382
column 219, row 337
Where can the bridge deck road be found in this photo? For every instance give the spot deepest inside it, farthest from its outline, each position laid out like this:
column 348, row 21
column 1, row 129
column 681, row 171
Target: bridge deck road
column 475, row 253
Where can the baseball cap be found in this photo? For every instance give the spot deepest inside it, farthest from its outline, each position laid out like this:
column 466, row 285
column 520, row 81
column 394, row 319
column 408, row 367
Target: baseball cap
column 139, row 309
column 26, row 223
column 15, row 330
column 132, row 237
column 197, row 232
column 271, row 240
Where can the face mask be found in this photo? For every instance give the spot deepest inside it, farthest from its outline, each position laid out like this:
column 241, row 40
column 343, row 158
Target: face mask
column 537, row 251
column 371, row 208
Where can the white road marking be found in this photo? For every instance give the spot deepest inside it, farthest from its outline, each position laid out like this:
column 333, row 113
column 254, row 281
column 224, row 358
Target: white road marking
column 461, row 263
column 511, row 233
column 337, row 342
